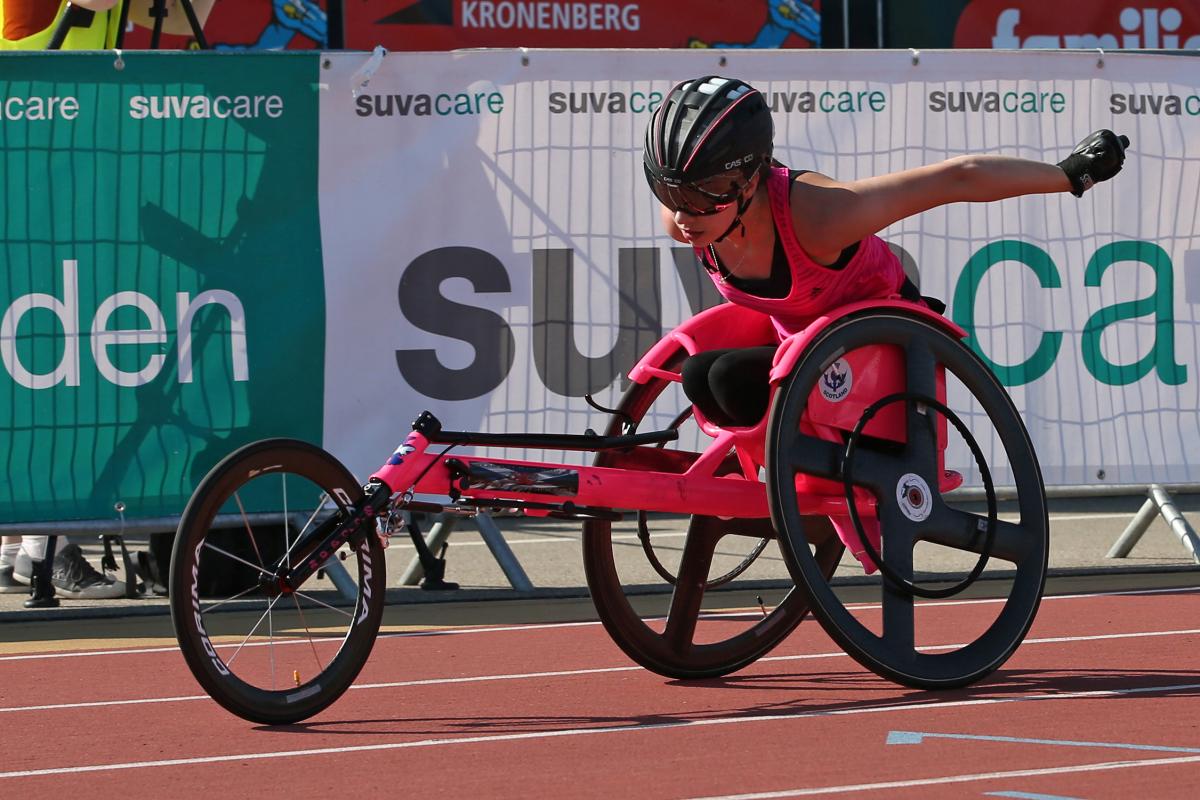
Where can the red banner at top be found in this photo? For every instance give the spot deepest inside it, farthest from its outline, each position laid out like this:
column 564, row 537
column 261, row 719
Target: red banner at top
column 453, row 24
column 1106, row 24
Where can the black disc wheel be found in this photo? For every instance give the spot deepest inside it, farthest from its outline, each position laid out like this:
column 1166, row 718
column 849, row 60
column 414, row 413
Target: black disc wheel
column 683, row 639
column 913, row 370
column 269, row 655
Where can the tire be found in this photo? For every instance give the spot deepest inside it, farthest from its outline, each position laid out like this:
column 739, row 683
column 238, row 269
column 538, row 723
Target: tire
column 672, row 651
column 283, row 658
column 887, row 469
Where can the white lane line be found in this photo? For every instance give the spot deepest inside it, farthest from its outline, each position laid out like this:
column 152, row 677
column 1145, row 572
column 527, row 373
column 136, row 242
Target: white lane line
column 563, row 538
column 910, row 738
column 561, row 732
column 589, row 623
column 948, row 779
column 405, row 634
column 104, row 703
column 517, row 676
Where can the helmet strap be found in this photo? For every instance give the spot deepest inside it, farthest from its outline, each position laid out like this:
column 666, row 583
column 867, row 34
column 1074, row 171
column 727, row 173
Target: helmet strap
column 744, row 202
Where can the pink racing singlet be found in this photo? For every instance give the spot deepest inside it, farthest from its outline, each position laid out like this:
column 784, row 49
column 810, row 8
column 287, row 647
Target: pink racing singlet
column 873, row 272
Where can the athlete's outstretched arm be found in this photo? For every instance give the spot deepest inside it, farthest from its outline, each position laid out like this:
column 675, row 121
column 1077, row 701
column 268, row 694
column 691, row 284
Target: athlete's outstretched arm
column 830, row 215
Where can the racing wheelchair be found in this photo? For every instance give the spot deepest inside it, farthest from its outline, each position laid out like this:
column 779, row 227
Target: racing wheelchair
column 851, row 454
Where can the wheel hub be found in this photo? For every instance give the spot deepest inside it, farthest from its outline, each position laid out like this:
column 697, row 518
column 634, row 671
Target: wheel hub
column 914, row 497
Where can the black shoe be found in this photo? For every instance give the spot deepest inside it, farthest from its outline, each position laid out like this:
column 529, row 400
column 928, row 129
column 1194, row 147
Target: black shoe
column 42, row 592
column 74, row 577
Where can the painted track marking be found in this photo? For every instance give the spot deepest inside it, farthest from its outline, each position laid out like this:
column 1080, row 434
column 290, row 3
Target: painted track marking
column 916, row 737
column 548, row 625
column 591, row 671
column 563, row 732
column 979, row 776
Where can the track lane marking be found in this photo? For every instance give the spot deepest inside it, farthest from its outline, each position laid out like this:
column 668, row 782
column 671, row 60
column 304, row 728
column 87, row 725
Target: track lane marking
column 568, row 538
column 588, row 671
column 657, row 726
column 903, row 738
column 1032, row 796
column 586, row 623
column 948, row 779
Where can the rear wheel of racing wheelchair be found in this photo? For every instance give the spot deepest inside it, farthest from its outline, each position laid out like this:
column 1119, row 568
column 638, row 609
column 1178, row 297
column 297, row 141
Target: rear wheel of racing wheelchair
column 266, row 655
column 676, row 646
column 892, row 450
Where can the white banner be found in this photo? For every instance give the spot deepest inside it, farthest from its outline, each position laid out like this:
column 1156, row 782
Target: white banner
column 492, row 251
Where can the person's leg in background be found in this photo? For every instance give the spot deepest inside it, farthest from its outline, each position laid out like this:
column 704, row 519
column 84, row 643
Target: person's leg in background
column 9, row 547
column 33, row 566
column 70, row 574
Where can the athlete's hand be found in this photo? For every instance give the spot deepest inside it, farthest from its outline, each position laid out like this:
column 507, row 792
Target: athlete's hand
column 1097, row 158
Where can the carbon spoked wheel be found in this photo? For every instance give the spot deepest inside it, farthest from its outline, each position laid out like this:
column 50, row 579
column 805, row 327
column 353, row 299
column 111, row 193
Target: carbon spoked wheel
column 681, row 640
column 903, row 476
column 268, row 656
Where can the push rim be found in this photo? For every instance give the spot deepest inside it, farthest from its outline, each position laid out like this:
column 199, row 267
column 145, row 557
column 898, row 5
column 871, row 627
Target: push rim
column 894, row 653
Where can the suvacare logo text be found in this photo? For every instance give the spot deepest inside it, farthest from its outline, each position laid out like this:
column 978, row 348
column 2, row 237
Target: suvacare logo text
column 199, row 106
column 566, row 370
column 542, row 15
column 610, row 102
column 104, row 340
column 826, row 102
column 38, row 109
column 1171, row 105
column 462, row 104
column 1012, row 102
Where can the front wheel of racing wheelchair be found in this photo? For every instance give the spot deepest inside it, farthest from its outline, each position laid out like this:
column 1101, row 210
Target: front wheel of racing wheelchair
column 688, row 643
column 864, row 409
column 268, row 654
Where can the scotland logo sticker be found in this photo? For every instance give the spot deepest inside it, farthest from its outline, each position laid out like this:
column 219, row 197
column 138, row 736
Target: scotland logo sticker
column 836, row 381
column 401, row 452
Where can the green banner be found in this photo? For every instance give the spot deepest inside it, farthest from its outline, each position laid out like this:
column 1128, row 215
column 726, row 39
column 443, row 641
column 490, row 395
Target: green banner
column 160, row 273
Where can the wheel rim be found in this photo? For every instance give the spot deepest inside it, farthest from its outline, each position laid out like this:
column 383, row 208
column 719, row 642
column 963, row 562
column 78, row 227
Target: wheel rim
column 895, row 652
column 269, row 655
column 669, row 646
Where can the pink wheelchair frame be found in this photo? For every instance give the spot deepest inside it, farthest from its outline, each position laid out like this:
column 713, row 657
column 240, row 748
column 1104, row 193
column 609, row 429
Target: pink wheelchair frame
column 695, row 488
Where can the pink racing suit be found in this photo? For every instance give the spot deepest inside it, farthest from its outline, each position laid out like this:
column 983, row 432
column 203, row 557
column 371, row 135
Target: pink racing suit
column 874, row 271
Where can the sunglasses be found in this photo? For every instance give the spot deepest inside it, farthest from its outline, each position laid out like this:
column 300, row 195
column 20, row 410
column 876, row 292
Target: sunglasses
column 701, row 198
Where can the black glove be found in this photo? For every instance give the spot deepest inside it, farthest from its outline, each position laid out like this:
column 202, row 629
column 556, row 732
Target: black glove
column 1097, row 158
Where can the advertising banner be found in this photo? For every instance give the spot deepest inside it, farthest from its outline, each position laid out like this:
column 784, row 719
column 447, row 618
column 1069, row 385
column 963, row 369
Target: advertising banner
column 492, row 251
column 199, row 251
column 160, row 274
column 1035, row 24
column 454, row 24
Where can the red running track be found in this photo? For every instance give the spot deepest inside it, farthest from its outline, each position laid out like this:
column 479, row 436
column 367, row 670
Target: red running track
column 1100, row 702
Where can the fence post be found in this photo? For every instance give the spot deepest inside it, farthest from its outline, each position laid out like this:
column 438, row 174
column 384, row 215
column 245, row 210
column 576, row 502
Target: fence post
column 492, row 536
column 1160, row 501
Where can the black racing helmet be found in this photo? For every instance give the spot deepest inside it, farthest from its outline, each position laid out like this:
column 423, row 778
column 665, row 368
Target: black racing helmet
column 705, row 142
